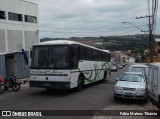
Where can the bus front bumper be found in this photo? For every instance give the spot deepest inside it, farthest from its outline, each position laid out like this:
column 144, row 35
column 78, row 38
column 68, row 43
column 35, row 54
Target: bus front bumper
column 52, row 85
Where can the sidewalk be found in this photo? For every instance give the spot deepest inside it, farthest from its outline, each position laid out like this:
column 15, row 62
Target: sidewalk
column 24, row 82
column 147, row 106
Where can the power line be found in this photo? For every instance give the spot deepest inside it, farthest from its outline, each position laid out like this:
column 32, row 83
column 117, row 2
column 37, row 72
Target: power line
column 126, row 32
column 49, row 27
column 107, row 30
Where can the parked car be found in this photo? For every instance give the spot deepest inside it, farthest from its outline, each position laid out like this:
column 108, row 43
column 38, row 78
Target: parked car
column 120, row 66
column 123, row 65
column 139, row 68
column 131, row 85
column 114, row 67
column 154, row 84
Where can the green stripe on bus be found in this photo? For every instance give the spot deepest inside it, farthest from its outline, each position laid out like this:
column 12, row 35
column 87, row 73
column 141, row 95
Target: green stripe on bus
column 97, row 74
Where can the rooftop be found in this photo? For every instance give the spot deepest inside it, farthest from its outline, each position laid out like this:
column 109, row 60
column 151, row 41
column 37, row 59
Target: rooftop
column 29, row 2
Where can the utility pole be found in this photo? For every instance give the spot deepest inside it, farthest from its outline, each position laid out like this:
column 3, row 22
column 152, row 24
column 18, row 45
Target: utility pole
column 150, row 36
column 150, row 41
column 152, row 22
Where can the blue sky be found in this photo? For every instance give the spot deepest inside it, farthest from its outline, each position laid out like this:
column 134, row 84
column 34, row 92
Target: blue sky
column 89, row 18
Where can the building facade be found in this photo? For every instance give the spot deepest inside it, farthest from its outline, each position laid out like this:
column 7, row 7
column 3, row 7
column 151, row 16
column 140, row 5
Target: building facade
column 18, row 25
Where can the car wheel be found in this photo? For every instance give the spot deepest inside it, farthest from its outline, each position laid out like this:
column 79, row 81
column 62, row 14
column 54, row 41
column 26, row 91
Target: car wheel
column 145, row 100
column 115, row 98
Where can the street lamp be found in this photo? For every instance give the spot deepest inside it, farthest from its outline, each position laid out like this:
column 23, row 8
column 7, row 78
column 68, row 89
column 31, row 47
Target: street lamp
column 125, row 22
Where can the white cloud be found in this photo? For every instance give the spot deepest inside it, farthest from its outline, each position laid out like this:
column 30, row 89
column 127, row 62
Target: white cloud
column 89, row 17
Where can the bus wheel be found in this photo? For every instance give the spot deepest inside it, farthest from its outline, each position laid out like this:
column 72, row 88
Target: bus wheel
column 80, row 83
column 105, row 76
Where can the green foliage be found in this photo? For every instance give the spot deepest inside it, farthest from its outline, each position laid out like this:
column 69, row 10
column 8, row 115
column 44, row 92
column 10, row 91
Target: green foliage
column 138, row 42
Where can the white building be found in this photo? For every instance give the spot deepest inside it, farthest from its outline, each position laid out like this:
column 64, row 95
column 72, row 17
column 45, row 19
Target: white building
column 18, row 25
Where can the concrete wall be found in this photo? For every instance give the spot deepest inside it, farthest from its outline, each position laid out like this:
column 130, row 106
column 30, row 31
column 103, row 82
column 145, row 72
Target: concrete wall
column 19, row 6
column 16, row 35
column 2, row 40
column 31, row 38
column 15, row 42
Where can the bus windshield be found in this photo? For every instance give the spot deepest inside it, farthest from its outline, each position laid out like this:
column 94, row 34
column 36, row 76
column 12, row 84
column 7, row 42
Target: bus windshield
column 50, row 57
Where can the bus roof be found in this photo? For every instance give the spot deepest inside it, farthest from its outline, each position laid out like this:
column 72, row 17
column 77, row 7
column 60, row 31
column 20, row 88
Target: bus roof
column 106, row 51
column 66, row 42
column 56, row 42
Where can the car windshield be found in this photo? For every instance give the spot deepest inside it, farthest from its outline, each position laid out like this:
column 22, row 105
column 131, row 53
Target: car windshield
column 131, row 77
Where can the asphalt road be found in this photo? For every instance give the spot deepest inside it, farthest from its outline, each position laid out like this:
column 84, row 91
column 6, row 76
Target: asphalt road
column 93, row 97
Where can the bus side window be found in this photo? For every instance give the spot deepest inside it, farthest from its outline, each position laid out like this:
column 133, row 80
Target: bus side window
column 95, row 55
column 74, row 56
column 82, row 53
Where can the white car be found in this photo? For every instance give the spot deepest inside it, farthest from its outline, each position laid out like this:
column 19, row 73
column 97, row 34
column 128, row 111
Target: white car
column 154, row 84
column 131, row 85
column 120, row 66
column 114, row 67
column 139, row 68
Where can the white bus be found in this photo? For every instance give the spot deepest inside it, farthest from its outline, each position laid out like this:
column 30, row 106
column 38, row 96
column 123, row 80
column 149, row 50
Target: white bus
column 65, row 64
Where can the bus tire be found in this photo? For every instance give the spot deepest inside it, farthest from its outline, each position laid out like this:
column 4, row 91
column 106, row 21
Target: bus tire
column 105, row 76
column 80, row 83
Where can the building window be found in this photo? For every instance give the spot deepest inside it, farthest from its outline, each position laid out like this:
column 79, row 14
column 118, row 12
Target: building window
column 15, row 16
column 30, row 19
column 159, row 43
column 2, row 15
